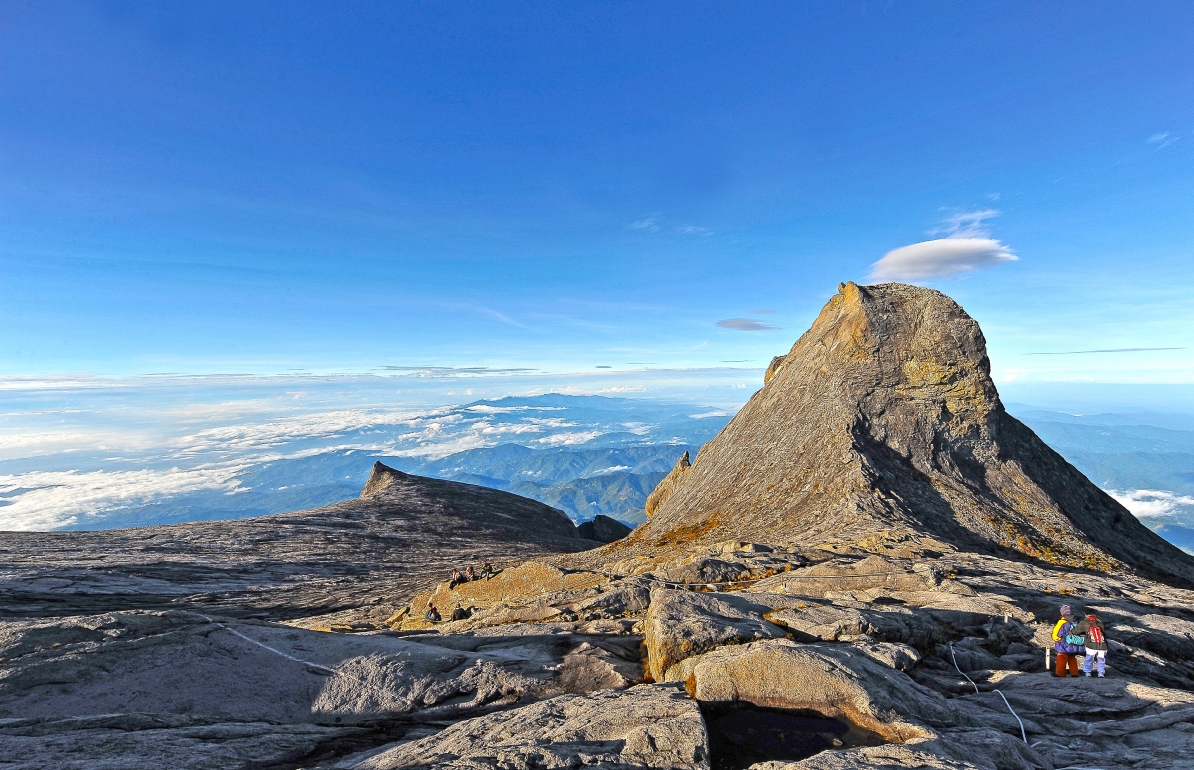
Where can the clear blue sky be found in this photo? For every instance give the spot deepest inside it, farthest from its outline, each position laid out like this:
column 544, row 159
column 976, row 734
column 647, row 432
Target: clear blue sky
column 260, row 187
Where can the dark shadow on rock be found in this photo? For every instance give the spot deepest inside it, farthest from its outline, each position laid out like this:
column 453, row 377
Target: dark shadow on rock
column 741, row 734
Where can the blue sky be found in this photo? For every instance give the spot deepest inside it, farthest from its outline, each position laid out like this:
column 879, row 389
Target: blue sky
column 331, row 187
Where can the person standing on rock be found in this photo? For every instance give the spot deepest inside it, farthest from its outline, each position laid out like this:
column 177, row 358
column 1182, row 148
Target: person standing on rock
column 1091, row 629
column 1064, row 642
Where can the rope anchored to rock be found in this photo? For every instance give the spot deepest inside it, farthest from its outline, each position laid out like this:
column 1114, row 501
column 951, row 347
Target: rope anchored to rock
column 1023, row 734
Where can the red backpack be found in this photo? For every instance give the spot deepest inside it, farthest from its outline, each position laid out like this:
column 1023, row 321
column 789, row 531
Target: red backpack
column 1095, row 634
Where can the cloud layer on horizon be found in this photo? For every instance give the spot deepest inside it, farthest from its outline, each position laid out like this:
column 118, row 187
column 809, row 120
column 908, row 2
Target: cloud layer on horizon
column 1151, row 502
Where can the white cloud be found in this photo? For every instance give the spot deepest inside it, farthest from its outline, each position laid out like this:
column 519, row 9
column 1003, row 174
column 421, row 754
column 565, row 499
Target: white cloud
column 43, row 500
column 611, row 469
column 693, row 230
column 1151, row 502
column 569, row 439
column 941, row 258
column 650, row 224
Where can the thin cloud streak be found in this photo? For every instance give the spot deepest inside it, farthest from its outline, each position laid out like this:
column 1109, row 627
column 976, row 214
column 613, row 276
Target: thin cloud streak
column 1108, row 350
column 745, row 325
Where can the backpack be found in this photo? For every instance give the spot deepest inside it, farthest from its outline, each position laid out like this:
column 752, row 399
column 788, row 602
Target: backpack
column 1074, row 640
column 1096, row 635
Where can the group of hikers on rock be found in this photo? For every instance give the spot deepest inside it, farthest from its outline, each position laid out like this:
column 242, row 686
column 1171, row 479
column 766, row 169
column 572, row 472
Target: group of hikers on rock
column 487, row 571
column 1076, row 635
column 469, row 576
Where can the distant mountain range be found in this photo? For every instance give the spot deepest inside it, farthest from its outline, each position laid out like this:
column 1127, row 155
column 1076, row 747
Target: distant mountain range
column 581, row 482
column 586, row 455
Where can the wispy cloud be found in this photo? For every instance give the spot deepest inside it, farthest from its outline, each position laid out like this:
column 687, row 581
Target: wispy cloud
column 966, row 224
column 650, row 224
column 745, row 325
column 453, row 371
column 1162, row 139
column 1151, row 502
column 763, row 312
column 693, row 230
column 1108, row 350
column 967, row 246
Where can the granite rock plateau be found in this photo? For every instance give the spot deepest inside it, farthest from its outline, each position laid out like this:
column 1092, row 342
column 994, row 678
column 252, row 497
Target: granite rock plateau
column 861, row 571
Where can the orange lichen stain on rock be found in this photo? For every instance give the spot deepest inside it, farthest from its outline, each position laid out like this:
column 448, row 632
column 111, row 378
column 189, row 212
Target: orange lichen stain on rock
column 691, row 533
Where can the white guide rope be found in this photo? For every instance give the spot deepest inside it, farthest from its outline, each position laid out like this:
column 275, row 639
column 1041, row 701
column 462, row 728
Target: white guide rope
column 271, row 649
column 1023, row 735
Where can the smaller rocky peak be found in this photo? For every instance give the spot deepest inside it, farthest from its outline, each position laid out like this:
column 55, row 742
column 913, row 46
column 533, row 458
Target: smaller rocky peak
column 668, row 485
column 381, row 479
column 603, row 529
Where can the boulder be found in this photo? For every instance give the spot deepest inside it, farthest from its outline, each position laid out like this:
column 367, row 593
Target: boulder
column 702, row 570
column 648, row 726
column 831, row 622
column 681, row 624
column 833, row 680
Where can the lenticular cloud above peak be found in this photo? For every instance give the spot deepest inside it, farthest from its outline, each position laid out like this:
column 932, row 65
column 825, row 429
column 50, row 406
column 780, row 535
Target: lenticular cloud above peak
column 941, row 258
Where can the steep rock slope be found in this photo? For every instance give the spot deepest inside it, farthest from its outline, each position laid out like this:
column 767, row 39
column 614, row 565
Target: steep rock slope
column 883, row 424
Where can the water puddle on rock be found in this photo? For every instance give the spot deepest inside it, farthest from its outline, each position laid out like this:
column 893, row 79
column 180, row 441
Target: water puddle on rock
column 741, row 734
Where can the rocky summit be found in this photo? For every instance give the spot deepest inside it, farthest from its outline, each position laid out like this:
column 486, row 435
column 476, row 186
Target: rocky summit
column 882, row 425
column 863, row 570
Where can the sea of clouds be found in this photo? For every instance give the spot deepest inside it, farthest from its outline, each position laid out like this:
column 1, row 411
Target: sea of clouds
column 77, row 453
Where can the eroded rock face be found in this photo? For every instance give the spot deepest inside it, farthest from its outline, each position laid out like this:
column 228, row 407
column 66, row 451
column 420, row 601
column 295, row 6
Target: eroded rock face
column 649, row 726
column 883, row 419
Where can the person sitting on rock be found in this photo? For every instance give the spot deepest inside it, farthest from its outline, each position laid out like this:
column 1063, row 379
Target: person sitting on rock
column 459, row 613
column 1091, row 629
column 487, row 570
column 454, row 580
column 433, row 613
column 469, row 575
column 1066, row 643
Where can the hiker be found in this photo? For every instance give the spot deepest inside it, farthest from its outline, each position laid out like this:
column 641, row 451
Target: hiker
column 487, row 570
column 1091, row 629
column 1067, row 644
column 469, row 575
column 433, row 613
column 459, row 613
column 454, row 580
